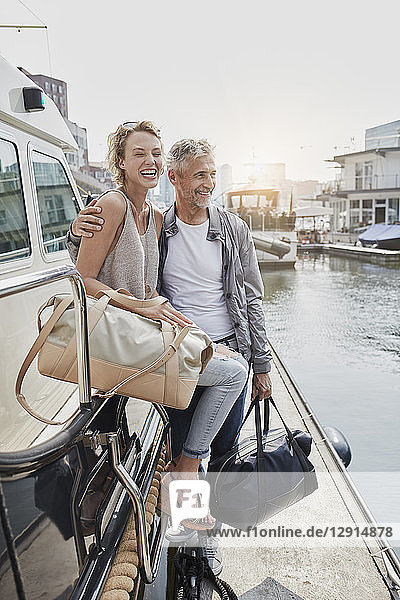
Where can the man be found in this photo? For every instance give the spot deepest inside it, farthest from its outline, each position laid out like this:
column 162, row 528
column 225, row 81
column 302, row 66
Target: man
column 208, row 270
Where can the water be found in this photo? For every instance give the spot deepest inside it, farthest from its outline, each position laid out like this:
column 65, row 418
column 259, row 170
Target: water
column 335, row 322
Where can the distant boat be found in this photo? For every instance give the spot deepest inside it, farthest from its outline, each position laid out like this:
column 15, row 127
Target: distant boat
column 382, row 236
column 272, row 229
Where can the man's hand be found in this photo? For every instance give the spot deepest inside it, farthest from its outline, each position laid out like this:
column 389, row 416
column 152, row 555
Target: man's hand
column 86, row 222
column 261, row 385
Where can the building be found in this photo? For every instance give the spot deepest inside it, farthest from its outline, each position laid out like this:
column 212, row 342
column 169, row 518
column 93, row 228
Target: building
column 367, row 188
column 383, row 136
column 223, row 183
column 56, row 89
column 78, row 161
column 100, row 173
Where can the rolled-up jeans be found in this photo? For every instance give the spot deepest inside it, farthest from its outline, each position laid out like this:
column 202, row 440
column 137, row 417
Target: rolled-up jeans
column 222, row 381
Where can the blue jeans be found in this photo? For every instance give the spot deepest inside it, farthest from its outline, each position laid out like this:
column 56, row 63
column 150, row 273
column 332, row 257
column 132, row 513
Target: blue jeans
column 226, row 437
column 222, row 382
column 227, row 434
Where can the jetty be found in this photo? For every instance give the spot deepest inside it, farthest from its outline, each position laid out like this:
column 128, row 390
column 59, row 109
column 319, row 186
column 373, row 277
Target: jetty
column 312, row 570
column 373, row 255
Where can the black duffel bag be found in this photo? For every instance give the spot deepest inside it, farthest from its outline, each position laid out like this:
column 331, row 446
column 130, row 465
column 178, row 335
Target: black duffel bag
column 262, row 475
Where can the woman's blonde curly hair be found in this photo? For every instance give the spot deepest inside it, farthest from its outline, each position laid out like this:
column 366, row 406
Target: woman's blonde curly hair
column 116, row 146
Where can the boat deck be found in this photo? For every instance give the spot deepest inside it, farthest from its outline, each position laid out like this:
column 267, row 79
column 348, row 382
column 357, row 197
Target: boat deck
column 304, row 569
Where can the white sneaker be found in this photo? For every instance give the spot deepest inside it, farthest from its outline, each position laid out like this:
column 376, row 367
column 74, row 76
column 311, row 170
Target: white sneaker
column 209, row 547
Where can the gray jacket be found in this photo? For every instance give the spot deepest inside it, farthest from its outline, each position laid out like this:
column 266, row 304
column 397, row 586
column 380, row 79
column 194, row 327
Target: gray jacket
column 242, row 279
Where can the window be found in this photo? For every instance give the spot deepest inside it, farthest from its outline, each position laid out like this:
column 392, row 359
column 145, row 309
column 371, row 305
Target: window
column 53, row 87
column 393, row 213
column 366, row 212
column 354, row 213
column 57, row 203
column 46, row 86
column 14, row 237
column 60, row 89
column 359, row 177
column 368, row 175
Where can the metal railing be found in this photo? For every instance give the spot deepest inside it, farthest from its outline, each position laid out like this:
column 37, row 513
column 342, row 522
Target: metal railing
column 362, row 183
column 24, row 283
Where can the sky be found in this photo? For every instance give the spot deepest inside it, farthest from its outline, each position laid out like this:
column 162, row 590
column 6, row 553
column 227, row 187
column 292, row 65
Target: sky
column 288, row 81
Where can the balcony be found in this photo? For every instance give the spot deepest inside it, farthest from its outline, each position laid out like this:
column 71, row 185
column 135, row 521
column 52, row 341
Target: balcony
column 362, row 184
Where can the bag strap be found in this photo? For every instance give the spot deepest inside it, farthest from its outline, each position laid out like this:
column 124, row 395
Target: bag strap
column 126, row 300
column 162, row 359
column 256, row 403
column 33, row 352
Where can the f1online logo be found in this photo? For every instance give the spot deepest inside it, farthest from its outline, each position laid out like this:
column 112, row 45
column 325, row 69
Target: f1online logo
column 189, row 499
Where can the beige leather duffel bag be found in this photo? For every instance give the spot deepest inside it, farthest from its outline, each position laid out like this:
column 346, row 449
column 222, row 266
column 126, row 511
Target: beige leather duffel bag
column 129, row 354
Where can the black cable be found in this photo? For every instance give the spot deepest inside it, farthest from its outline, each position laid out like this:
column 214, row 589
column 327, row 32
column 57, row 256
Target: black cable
column 194, row 569
column 11, row 547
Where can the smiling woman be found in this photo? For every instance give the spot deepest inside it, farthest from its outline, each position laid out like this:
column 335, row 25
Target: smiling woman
column 124, row 252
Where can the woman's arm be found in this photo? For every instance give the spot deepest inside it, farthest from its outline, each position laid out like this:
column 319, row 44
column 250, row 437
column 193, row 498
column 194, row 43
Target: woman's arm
column 94, row 250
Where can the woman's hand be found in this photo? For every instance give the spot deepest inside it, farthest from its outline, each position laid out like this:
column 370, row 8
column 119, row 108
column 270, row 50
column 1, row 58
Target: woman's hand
column 165, row 312
column 87, row 221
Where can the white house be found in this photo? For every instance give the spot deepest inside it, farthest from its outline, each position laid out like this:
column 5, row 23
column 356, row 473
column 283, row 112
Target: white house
column 367, row 189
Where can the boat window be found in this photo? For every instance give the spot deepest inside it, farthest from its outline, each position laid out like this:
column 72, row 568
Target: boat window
column 57, row 203
column 14, row 236
column 250, row 201
column 235, row 201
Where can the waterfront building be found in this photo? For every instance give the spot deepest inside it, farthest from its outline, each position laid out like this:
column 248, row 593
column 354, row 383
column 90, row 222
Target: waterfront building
column 366, row 190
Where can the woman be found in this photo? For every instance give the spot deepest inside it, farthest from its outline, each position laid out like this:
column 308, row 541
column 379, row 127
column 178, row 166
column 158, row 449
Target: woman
column 124, row 254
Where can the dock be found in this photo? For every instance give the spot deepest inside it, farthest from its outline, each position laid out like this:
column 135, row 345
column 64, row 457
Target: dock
column 305, row 571
column 372, row 255
column 297, row 569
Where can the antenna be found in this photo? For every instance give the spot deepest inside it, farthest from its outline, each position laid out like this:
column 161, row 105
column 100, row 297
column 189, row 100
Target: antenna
column 42, row 26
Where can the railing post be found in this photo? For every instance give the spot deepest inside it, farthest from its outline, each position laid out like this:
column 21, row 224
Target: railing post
column 82, row 340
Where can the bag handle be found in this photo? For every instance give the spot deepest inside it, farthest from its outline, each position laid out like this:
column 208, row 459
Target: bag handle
column 256, row 404
column 126, row 300
column 33, row 352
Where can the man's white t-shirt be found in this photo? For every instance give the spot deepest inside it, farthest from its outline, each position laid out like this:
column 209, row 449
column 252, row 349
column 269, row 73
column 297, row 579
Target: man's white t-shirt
column 192, row 279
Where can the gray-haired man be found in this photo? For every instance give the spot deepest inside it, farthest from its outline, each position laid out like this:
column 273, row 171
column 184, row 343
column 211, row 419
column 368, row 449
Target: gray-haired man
column 208, row 270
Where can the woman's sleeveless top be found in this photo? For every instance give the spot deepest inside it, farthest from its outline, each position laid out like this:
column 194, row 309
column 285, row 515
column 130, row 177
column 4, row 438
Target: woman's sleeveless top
column 133, row 263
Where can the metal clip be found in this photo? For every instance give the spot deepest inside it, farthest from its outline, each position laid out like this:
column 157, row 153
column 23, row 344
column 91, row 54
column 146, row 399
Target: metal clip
column 94, row 440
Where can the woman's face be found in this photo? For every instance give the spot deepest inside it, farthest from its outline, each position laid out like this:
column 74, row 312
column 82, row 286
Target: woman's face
column 143, row 159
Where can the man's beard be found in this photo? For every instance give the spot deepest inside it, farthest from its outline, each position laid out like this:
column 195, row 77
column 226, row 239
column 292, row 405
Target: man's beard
column 197, row 202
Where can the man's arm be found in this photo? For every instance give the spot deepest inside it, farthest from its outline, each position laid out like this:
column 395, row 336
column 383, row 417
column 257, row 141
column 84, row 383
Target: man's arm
column 86, row 223
column 260, row 353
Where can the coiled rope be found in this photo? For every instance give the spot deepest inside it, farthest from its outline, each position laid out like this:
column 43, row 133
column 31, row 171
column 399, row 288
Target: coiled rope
column 120, row 581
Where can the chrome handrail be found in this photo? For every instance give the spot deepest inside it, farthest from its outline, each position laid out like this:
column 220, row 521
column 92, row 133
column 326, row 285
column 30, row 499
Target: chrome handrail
column 149, row 570
column 24, row 283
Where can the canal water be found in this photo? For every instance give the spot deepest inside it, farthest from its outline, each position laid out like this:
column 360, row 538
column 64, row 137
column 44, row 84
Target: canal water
column 335, row 323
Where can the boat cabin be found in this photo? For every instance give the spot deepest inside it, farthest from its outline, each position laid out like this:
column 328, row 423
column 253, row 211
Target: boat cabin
column 259, row 207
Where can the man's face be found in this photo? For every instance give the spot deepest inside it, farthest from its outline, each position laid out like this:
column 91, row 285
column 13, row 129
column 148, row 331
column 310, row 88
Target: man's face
column 195, row 186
